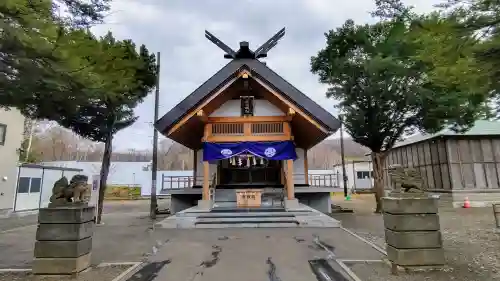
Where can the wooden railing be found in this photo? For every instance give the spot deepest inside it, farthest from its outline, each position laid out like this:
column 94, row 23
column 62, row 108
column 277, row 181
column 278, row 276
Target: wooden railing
column 314, row 180
column 318, row 180
column 230, row 129
column 180, row 182
column 267, row 128
column 260, row 128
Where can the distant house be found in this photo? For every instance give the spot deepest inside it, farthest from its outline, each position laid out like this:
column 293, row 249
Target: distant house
column 455, row 165
column 11, row 136
column 359, row 174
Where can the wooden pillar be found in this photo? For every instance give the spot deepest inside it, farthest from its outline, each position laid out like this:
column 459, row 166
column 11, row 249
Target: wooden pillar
column 290, row 189
column 195, row 166
column 306, row 168
column 206, row 180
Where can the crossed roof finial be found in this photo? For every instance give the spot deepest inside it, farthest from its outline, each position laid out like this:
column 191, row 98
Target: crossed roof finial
column 244, row 52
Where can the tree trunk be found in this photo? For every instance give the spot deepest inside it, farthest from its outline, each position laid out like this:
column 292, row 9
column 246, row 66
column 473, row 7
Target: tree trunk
column 106, row 161
column 378, row 159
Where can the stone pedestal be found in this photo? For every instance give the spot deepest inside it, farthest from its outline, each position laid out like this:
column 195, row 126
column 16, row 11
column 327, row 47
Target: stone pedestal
column 205, row 205
column 412, row 231
column 292, row 204
column 63, row 240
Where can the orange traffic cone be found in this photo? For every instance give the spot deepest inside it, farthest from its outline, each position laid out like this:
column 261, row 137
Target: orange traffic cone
column 466, row 202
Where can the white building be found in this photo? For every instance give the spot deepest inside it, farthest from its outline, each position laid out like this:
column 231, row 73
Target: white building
column 34, row 185
column 11, row 136
column 359, row 174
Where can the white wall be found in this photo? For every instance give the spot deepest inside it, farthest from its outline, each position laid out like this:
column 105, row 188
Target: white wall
column 363, row 180
column 28, row 192
column 232, row 108
column 126, row 173
column 298, row 167
column 199, row 167
column 34, row 186
column 14, row 121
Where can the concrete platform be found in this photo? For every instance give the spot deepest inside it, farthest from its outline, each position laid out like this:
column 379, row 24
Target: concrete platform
column 256, row 254
column 303, row 216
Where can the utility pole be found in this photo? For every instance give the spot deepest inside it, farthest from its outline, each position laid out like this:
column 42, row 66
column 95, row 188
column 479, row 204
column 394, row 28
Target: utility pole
column 342, row 155
column 154, row 164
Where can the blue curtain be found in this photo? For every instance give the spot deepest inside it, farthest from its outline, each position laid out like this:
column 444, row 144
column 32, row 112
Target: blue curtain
column 276, row 150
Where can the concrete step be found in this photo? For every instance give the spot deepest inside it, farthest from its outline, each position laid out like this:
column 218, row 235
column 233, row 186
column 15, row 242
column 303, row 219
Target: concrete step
column 247, row 215
column 248, row 225
column 246, row 210
column 225, row 195
column 242, row 220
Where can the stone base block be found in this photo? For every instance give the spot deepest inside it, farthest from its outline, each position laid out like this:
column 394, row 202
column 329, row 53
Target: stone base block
column 413, row 239
column 412, row 222
column 60, row 266
column 416, row 257
column 205, row 204
column 63, row 249
column 64, row 232
column 291, row 204
column 66, row 214
column 423, row 205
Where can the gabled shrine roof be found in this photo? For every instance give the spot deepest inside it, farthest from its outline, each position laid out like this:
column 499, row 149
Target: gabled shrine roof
column 260, row 71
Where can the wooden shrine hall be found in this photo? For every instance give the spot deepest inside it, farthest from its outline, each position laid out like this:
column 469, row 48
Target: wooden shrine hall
column 250, row 131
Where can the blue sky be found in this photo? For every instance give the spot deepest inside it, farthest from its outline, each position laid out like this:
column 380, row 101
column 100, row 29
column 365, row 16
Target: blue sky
column 176, row 29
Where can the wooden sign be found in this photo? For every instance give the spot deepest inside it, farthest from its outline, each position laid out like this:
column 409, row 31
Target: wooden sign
column 248, row 198
column 246, row 106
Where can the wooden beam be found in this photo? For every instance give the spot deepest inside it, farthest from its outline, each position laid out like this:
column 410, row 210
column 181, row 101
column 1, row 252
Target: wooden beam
column 206, row 180
column 207, row 132
column 282, row 173
column 203, row 117
column 290, row 189
column 195, row 165
column 247, row 138
column 201, row 106
column 290, row 105
column 306, row 168
column 249, row 119
column 287, row 130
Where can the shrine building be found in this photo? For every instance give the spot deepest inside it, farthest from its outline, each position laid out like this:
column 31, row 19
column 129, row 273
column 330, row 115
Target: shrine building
column 250, row 131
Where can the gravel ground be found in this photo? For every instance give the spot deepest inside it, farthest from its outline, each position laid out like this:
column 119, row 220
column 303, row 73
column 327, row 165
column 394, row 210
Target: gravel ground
column 105, row 273
column 471, row 244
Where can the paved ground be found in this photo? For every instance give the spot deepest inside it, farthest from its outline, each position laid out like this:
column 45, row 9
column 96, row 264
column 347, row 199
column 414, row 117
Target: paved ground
column 243, row 254
column 266, row 254
column 223, row 254
column 125, row 236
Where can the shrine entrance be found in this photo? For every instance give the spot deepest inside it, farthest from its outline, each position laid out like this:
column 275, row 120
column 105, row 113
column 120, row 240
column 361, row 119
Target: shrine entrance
column 249, row 170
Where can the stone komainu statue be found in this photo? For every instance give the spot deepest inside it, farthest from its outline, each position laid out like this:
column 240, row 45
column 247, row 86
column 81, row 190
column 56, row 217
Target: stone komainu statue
column 76, row 190
column 406, row 179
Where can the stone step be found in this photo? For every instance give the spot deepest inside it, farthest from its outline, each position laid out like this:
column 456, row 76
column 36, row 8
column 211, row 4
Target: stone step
column 248, row 225
column 247, row 215
column 246, row 220
column 246, row 210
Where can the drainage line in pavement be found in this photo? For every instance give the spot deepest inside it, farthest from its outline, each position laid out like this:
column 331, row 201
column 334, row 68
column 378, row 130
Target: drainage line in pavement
column 215, row 257
column 271, row 273
column 328, row 248
column 149, row 272
column 364, row 240
column 324, row 272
